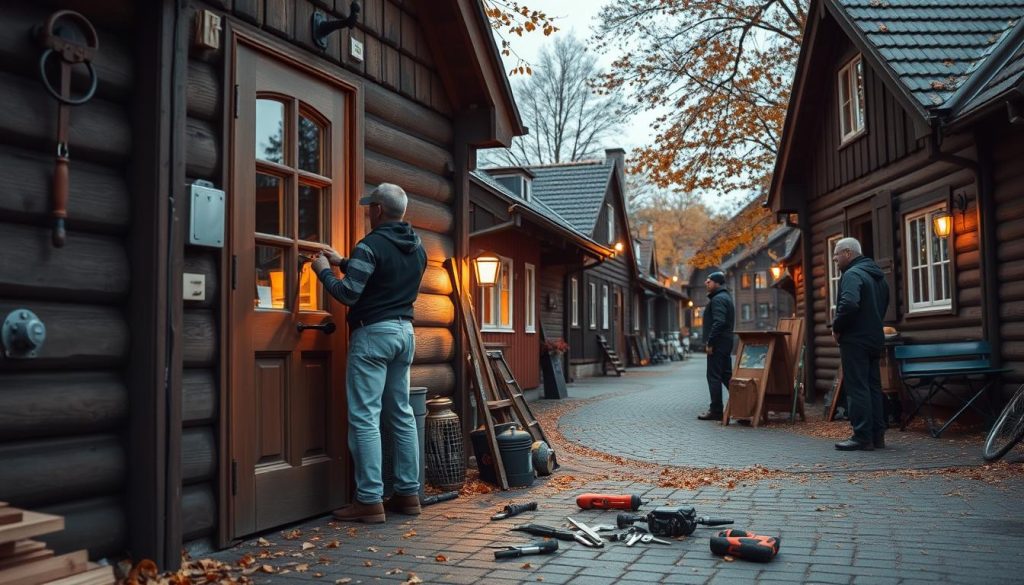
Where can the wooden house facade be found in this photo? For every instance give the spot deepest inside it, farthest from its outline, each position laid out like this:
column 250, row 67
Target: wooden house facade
column 748, row 273
column 537, row 249
column 659, row 300
column 176, row 399
column 899, row 115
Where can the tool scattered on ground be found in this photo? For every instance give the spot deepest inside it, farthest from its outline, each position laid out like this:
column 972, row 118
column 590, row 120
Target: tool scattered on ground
column 609, row 501
column 548, row 531
column 540, row 547
column 438, row 498
column 514, row 510
column 670, row 521
column 586, row 534
column 745, row 545
column 636, row 534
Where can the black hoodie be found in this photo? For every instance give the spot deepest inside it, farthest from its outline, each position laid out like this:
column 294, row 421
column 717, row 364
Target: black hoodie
column 382, row 278
column 863, row 299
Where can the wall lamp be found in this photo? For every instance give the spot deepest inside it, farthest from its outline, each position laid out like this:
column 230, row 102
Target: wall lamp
column 323, row 26
column 942, row 220
column 777, row 271
column 619, row 247
column 486, row 269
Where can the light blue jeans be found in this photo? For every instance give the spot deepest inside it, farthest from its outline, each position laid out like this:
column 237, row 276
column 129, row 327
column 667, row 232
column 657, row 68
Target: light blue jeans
column 377, row 379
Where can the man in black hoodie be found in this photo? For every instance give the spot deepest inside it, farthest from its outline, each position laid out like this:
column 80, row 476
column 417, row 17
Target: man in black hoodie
column 382, row 280
column 857, row 328
column 719, row 320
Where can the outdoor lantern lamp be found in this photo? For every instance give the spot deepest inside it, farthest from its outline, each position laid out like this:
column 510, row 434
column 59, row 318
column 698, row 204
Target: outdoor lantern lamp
column 618, row 247
column 942, row 223
column 487, row 269
column 675, row 278
column 689, row 303
column 776, row 271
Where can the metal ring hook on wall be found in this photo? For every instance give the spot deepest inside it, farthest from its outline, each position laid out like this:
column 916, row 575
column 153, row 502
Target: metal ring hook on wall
column 93, row 82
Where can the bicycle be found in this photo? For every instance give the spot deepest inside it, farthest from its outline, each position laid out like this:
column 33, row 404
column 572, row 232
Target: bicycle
column 1008, row 429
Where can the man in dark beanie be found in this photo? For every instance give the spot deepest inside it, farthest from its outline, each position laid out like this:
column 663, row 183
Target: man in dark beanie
column 719, row 320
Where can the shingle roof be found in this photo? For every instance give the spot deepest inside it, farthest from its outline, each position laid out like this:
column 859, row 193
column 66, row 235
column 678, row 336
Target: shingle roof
column 643, row 259
column 1009, row 76
column 574, row 191
column 534, row 203
column 934, row 46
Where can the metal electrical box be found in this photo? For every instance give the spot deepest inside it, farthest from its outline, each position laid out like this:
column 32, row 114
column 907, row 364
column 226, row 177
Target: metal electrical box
column 206, row 221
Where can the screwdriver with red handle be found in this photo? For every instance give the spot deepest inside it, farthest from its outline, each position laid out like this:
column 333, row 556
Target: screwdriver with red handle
column 609, row 501
column 745, row 545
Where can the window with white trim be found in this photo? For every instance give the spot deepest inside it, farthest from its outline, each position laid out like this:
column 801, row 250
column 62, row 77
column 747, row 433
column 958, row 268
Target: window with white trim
column 530, row 310
column 496, row 301
column 851, row 99
column 746, row 316
column 833, row 274
column 929, row 279
column 760, row 279
column 574, row 301
column 608, row 210
column 636, row 313
column 593, row 306
column 604, row 306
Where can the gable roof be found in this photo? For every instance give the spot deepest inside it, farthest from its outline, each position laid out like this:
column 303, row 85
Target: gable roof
column 645, row 255
column 575, row 190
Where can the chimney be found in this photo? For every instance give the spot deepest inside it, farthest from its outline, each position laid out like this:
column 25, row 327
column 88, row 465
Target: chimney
column 617, row 157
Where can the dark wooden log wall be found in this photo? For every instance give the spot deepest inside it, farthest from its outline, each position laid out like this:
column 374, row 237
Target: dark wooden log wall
column 552, row 294
column 1009, row 195
column 61, row 414
column 408, row 141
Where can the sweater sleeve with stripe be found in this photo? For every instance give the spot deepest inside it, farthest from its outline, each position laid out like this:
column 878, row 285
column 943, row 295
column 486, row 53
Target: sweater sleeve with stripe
column 357, row 269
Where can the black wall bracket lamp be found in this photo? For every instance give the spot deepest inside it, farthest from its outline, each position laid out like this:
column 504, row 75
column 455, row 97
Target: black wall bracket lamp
column 323, row 25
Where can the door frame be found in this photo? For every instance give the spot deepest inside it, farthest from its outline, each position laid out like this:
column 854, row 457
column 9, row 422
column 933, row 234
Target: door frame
column 240, row 34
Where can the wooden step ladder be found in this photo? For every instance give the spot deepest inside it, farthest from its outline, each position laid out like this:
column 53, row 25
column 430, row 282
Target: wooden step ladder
column 513, row 392
column 611, row 356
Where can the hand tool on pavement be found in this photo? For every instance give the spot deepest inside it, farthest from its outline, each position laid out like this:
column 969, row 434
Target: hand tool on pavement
column 548, row 531
column 438, row 498
column 540, row 547
column 587, row 531
column 745, row 545
column 609, row 501
column 514, row 510
column 670, row 521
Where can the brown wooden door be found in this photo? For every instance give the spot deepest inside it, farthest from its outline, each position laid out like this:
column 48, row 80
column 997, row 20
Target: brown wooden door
column 290, row 188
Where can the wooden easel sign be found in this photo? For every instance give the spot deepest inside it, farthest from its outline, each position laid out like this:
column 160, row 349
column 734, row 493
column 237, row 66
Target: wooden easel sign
column 761, row 368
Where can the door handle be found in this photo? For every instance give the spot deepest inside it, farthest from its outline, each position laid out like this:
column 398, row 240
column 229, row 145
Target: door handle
column 326, row 328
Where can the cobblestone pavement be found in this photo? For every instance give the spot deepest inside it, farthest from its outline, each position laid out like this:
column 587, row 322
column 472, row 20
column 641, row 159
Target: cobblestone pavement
column 842, row 526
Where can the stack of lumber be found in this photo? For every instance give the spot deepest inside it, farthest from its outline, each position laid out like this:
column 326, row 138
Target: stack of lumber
column 24, row 561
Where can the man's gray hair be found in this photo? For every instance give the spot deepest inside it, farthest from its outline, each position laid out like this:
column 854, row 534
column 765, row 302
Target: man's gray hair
column 392, row 199
column 851, row 244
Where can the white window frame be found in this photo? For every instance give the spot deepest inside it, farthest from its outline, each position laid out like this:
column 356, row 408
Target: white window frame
column 490, row 319
column 833, row 274
column 913, row 263
column 527, row 188
column 851, row 77
column 530, row 308
column 636, row 313
column 610, row 212
column 746, row 314
column 593, row 305
column 761, row 279
column 574, row 301
column 604, row 306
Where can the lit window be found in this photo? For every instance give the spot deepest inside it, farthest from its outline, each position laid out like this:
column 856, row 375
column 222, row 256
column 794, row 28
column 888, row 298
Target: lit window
column 496, row 301
column 530, row 310
column 698, row 317
column 851, row 99
column 574, row 299
column 761, row 279
column 593, row 306
column 604, row 306
column 745, row 280
column 928, row 265
column 833, row 274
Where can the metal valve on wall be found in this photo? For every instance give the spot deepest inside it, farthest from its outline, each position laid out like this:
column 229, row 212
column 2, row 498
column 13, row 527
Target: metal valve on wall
column 22, row 334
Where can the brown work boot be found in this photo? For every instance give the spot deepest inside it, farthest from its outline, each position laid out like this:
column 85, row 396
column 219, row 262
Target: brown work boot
column 360, row 512
column 408, row 505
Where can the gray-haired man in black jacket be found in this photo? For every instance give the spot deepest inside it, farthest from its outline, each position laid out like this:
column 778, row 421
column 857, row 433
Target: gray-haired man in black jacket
column 857, row 328
column 719, row 321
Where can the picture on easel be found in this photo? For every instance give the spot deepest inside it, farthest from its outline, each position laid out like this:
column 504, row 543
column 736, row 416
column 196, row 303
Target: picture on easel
column 754, row 357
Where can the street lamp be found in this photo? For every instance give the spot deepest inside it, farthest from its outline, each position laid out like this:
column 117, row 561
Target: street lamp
column 486, row 269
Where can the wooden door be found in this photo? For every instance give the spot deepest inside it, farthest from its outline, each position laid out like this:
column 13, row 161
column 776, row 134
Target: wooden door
column 291, row 186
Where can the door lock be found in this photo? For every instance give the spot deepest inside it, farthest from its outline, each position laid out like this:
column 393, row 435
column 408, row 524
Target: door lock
column 327, row 327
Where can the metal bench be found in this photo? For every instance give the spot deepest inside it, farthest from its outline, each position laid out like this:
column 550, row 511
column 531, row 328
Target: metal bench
column 926, row 369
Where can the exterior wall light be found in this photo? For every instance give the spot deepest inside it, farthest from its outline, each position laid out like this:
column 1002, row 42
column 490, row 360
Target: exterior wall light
column 942, row 223
column 776, row 271
column 618, row 247
column 487, row 269
column 689, row 303
column 675, row 278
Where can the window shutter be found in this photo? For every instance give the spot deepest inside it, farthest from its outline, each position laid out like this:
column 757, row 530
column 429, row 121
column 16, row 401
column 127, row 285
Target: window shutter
column 885, row 252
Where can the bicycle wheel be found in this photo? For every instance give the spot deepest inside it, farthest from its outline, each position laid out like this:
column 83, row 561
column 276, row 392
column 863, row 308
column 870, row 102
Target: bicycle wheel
column 1008, row 430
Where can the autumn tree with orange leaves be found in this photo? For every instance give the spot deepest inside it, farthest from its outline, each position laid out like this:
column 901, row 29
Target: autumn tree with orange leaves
column 512, row 18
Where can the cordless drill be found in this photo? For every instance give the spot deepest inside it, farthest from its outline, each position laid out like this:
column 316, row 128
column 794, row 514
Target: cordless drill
column 745, row 545
column 609, row 502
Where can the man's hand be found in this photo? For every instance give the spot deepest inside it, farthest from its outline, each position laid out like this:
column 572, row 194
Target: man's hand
column 333, row 256
column 319, row 263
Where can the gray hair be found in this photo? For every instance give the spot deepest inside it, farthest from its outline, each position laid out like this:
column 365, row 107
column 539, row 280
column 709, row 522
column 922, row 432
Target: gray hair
column 850, row 244
column 392, row 199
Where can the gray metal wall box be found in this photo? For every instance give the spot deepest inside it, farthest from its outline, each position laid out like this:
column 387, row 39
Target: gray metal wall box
column 206, row 222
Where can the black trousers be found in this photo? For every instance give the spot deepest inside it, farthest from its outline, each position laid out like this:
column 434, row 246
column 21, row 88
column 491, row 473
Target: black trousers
column 719, row 374
column 862, row 384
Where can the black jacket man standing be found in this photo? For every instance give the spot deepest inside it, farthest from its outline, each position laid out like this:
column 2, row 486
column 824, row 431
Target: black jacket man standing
column 719, row 321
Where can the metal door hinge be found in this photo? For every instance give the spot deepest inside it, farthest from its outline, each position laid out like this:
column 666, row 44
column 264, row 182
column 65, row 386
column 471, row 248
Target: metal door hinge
column 234, row 477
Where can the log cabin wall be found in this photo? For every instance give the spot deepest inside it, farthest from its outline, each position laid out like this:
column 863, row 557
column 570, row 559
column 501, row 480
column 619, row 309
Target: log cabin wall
column 409, row 140
column 552, row 295
column 1008, row 144
column 63, row 449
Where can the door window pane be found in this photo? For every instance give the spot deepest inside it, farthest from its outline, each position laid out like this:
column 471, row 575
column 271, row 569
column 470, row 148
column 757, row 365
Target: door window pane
column 270, row 280
column 310, row 213
column 270, row 144
column 309, row 287
column 269, row 204
column 310, row 141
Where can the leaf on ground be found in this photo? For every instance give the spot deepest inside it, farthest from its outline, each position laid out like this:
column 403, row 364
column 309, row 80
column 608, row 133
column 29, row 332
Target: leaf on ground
column 412, row 580
column 441, row 559
column 526, row 566
column 409, row 534
column 318, row 575
column 393, row 572
column 302, row 568
column 367, row 563
column 372, row 548
column 263, row 542
column 308, row 545
column 343, row 581
column 268, row 569
column 728, row 559
column 292, row 534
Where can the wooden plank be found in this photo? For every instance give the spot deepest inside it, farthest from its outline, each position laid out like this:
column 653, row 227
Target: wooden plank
column 408, row 115
column 46, row 404
column 38, row 472
column 373, row 61
column 9, row 515
column 407, row 76
column 250, row 10
column 100, row 524
column 46, row 570
column 431, row 310
column 199, row 396
column 32, row 524
column 404, row 146
column 391, row 74
column 24, row 551
column 203, row 91
column 383, row 169
column 438, row 379
column 199, row 335
column 96, row 575
column 392, row 27
column 433, row 345
column 202, row 150
column 198, row 455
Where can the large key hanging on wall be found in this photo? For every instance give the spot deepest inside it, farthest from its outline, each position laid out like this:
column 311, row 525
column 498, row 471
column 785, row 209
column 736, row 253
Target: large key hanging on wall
column 59, row 37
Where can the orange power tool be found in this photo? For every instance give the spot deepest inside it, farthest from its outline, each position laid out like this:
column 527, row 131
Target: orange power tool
column 745, row 545
column 609, row 502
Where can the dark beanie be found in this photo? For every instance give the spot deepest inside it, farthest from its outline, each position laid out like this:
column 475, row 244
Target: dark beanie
column 718, row 277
